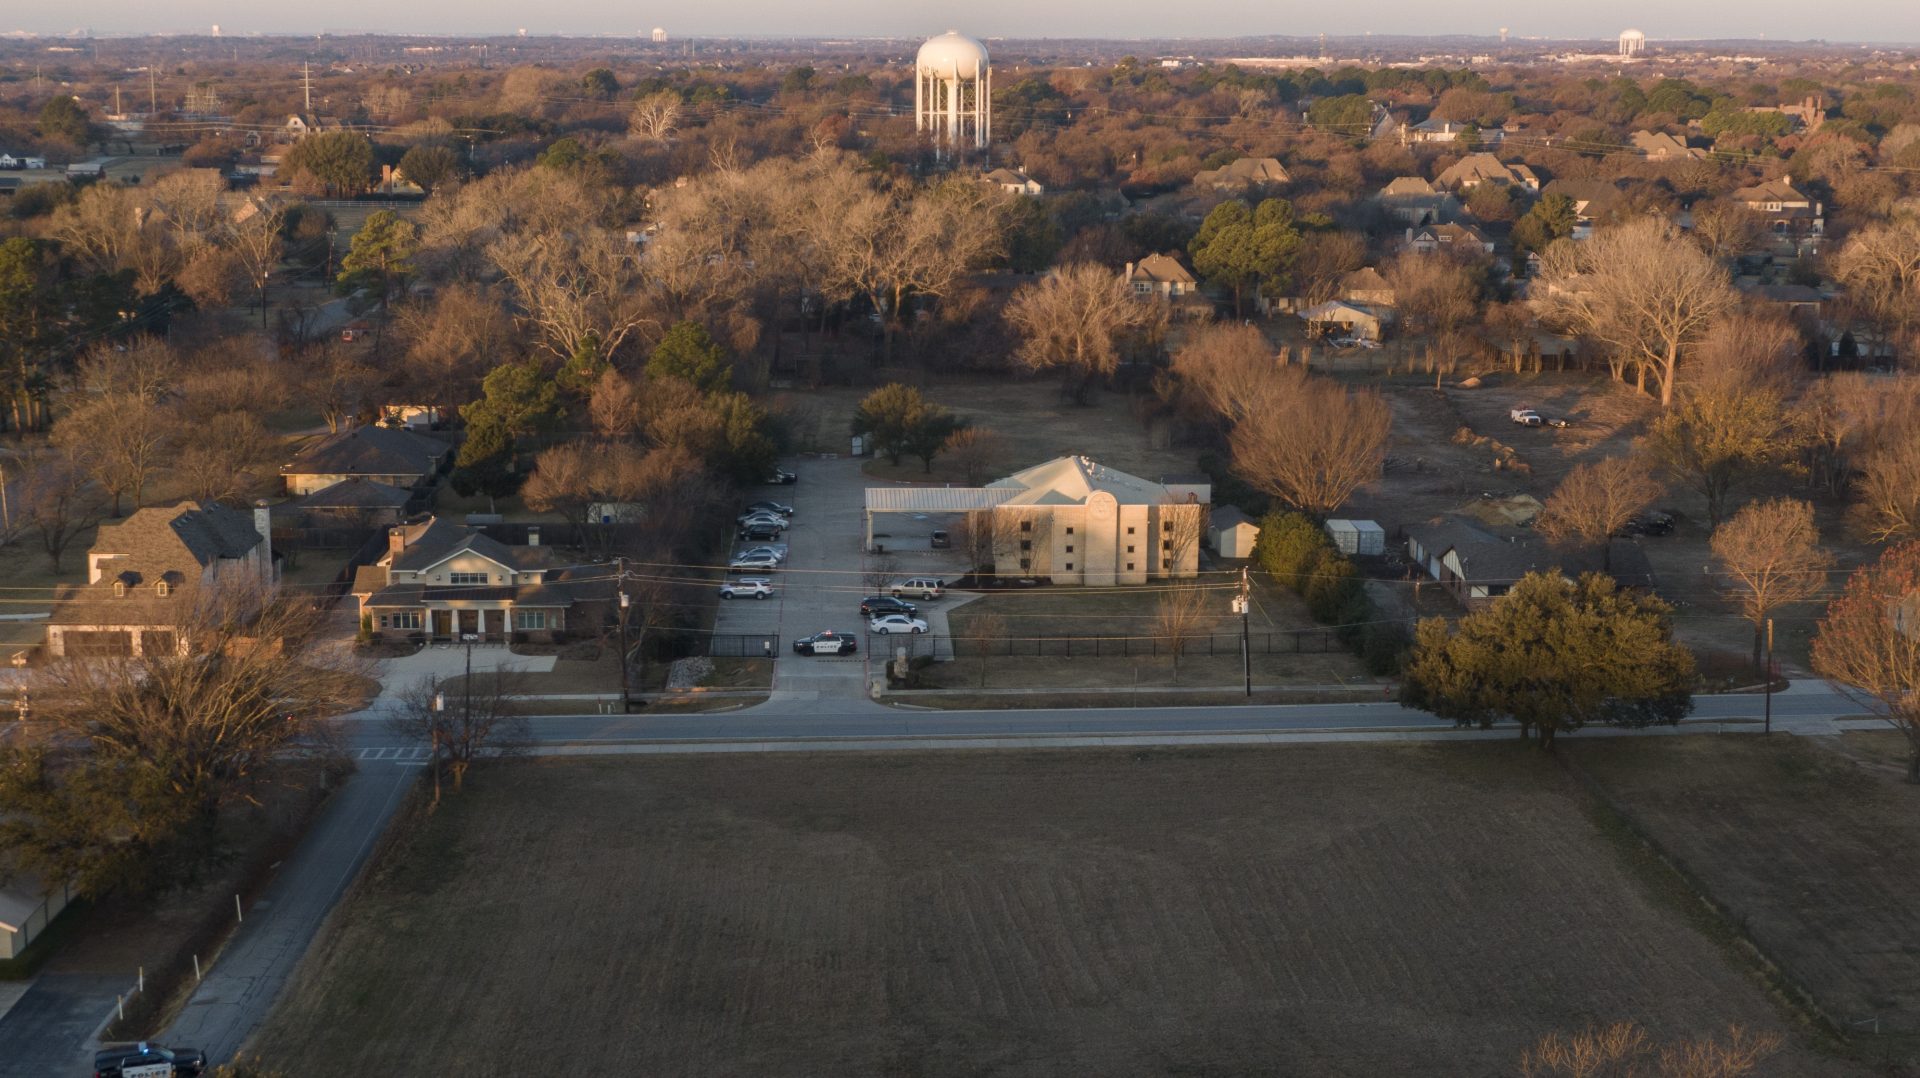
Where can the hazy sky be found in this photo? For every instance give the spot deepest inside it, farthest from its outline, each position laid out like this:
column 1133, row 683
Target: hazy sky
column 1835, row 20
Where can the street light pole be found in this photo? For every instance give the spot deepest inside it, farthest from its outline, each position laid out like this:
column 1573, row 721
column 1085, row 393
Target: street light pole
column 1244, row 602
column 1769, row 675
column 626, row 695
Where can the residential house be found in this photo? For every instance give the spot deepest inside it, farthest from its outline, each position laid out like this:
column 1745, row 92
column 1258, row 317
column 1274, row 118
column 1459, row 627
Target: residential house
column 351, row 503
column 1790, row 299
column 1241, row 174
column 1435, row 129
column 1660, row 146
column 1074, row 521
column 445, row 581
column 397, row 458
column 1231, row 534
column 27, row 907
column 1337, row 319
column 1478, row 565
column 145, row 574
column 1014, row 182
column 1477, row 168
column 1790, row 216
column 395, row 182
column 1163, row 277
column 1593, row 201
column 1807, row 116
column 1366, row 286
column 1447, row 237
column 299, row 126
column 21, row 162
column 1418, row 202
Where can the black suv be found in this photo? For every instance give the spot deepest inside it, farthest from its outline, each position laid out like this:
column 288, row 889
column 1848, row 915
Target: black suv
column 112, row 1062
column 874, row 605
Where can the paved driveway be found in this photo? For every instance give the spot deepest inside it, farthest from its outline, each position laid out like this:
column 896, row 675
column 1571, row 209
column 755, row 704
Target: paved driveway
column 49, row 1031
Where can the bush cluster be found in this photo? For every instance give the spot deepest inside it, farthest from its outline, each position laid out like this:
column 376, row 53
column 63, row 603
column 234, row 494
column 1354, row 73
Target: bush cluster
column 1295, row 551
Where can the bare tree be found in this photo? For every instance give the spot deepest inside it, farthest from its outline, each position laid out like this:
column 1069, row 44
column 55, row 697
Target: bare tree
column 1435, row 294
column 1868, row 647
column 452, row 342
column 57, row 502
column 1595, row 501
column 225, row 455
column 1725, row 229
column 1230, row 368
column 1880, row 266
column 1887, row 492
column 121, row 439
column 480, row 716
column 655, row 116
column 975, row 450
column 981, row 630
column 1178, row 618
column 144, row 367
column 1072, row 321
column 579, row 288
column 339, row 385
column 1638, row 288
column 1316, row 446
column 256, row 240
column 1771, row 554
column 565, row 480
column 615, row 407
column 878, row 572
column 1183, row 524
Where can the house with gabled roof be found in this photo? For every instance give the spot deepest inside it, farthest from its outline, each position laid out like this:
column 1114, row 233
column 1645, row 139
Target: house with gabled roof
column 1660, row 146
column 1161, row 276
column 1448, row 237
column 1366, row 285
column 146, row 573
column 1479, row 565
column 1418, row 202
column 1477, row 168
column 1240, row 174
column 444, row 581
column 398, row 458
column 1789, row 214
column 1014, row 182
column 1593, row 201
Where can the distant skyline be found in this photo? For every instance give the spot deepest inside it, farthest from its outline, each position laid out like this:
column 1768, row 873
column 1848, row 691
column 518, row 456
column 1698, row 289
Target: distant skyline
column 1841, row 20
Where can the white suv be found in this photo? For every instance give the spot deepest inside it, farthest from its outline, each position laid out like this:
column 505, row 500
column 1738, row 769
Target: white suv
column 756, row 587
column 921, row 587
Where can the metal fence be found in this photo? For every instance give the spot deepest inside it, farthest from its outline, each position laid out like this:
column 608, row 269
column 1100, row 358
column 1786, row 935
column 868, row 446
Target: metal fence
column 1302, row 641
column 743, row 645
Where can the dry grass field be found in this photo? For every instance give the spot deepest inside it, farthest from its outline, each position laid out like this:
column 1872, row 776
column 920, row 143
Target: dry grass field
column 1335, row 910
column 1815, row 851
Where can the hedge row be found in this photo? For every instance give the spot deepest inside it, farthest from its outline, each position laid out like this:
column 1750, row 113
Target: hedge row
column 1295, row 551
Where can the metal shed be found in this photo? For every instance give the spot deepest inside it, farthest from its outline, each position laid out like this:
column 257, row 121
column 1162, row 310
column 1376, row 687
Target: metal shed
column 1357, row 537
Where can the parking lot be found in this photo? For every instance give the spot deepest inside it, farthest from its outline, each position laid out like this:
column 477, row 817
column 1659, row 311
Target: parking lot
column 824, row 577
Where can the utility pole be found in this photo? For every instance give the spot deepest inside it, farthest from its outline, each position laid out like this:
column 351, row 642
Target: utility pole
column 1242, row 603
column 306, row 80
column 626, row 696
column 1769, row 676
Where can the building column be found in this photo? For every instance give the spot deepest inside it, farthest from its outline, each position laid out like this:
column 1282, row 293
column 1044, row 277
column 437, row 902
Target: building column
column 480, row 621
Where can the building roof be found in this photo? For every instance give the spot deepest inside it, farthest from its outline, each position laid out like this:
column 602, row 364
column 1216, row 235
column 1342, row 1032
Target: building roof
column 372, row 450
column 1589, row 196
column 1365, row 279
column 1484, row 168
column 20, row 897
column 1229, row 516
column 1406, row 186
column 355, row 493
column 1243, row 171
column 1007, row 176
column 431, row 540
column 1070, row 480
column 1339, row 311
column 1487, row 558
column 1661, row 144
column 1161, row 269
column 171, row 545
column 1770, row 191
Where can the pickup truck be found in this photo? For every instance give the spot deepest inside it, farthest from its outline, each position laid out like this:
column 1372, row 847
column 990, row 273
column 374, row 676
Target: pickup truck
column 1526, row 417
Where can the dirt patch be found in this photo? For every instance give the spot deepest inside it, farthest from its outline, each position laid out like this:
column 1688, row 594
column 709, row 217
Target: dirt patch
column 1335, row 910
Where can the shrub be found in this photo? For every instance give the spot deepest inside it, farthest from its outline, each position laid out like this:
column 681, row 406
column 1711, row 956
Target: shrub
column 1290, row 543
column 1383, row 648
column 1332, row 583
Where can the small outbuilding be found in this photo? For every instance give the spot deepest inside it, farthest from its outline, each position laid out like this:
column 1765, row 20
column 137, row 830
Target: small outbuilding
column 1231, row 534
column 27, row 907
column 1357, row 537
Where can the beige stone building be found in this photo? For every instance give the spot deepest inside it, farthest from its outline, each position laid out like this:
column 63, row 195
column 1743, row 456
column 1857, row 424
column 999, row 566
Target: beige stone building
column 1074, row 521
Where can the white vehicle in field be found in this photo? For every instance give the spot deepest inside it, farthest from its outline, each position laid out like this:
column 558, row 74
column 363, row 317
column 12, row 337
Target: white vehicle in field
column 1526, row 417
column 747, row 587
column 887, row 624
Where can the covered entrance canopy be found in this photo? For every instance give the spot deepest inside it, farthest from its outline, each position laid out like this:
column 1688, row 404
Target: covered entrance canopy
column 934, row 500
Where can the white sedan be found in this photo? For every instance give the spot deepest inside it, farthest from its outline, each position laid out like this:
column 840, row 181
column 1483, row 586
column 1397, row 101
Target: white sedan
column 887, row 624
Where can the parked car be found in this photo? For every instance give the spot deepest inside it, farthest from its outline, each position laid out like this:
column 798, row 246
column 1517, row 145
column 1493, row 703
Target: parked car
column 143, row 1060
column 1526, row 417
column 760, row 531
column 782, row 478
column 764, row 516
column 1649, row 524
column 771, row 507
column 885, row 604
column 748, row 563
column 925, row 587
column 942, row 541
column 747, row 587
column 826, row 642
column 776, row 551
column 1560, row 421
column 887, row 624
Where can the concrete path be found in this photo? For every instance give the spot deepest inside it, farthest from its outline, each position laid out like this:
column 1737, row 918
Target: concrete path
column 50, row 1030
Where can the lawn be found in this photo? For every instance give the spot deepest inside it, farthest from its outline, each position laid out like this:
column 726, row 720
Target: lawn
column 1814, row 849
column 1332, row 910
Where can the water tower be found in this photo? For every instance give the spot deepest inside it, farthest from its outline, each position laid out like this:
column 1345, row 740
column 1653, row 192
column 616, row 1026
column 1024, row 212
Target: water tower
column 659, row 35
column 953, row 92
column 1632, row 43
